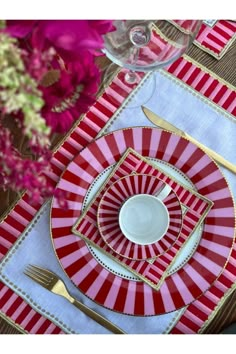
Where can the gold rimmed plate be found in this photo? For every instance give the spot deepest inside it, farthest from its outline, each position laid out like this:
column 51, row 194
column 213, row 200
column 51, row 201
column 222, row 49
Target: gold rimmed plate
column 202, row 269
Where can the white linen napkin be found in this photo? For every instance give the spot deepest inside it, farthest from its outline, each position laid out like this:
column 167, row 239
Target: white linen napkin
column 172, row 101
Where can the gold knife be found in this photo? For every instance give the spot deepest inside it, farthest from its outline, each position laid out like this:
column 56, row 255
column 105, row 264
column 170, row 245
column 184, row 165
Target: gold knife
column 155, row 119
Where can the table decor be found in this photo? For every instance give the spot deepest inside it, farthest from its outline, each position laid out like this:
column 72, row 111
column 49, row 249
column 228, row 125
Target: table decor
column 207, row 109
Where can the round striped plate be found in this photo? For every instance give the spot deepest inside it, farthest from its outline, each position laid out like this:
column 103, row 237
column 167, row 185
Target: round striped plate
column 108, row 216
column 189, row 282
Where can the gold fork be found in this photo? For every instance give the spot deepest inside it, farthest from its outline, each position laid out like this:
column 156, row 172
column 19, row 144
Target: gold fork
column 53, row 283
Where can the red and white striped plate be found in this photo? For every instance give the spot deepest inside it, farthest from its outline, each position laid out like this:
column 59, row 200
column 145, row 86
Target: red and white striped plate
column 155, row 272
column 180, row 288
column 108, row 216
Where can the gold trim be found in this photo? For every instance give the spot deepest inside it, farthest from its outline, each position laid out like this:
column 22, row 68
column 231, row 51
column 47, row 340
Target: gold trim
column 175, row 319
column 215, row 55
column 24, row 233
column 62, row 268
column 12, row 324
column 181, row 29
column 164, row 124
column 99, row 226
column 96, row 302
column 205, row 49
column 87, row 295
column 203, row 98
column 182, row 84
column 76, row 124
column 208, row 71
column 29, row 301
column 193, row 248
column 126, row 101
column 187, row 258
column 11, row 207
column 101, row 189
column 124, row 104
column 199, row 222
column 217, row 308
column 124, row 156
column 163, row 36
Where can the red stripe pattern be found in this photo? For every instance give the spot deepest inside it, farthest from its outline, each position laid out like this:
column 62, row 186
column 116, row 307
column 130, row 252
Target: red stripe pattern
column 198, row 312
column 108, row 216
column 204, row 266
column 215, row 38
column 154, row 273
column 205, row 84
column 188, row 72
column 23, row 315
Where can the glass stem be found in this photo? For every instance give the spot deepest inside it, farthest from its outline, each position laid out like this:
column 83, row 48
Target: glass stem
column 131, row 76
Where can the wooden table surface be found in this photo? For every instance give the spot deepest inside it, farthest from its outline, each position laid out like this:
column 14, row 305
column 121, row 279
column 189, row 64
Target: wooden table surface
column 225, row 68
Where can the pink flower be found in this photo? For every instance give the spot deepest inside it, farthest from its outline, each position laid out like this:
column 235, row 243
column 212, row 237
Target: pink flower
column 71, row 37
column 68, row 37
column 38, row 62
column 59, row 55
column 72, row 94
column 102, row 26
column 18, row 174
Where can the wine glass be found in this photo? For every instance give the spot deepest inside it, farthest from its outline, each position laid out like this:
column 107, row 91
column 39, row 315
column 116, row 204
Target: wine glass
column 141, row 46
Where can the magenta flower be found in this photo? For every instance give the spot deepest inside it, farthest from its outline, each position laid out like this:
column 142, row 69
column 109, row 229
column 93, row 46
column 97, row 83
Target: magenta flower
column 73, row 36
column 72, row 94
column 59, row 55
column 19, row 174
column 68, row 37
column 20, row 28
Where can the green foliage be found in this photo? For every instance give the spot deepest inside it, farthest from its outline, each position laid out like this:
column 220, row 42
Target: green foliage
column 18, row 90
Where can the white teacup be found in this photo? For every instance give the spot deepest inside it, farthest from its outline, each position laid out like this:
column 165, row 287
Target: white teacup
column 144, row 219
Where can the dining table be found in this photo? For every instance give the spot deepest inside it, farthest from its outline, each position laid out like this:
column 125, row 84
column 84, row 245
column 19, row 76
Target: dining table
column 197, row 94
